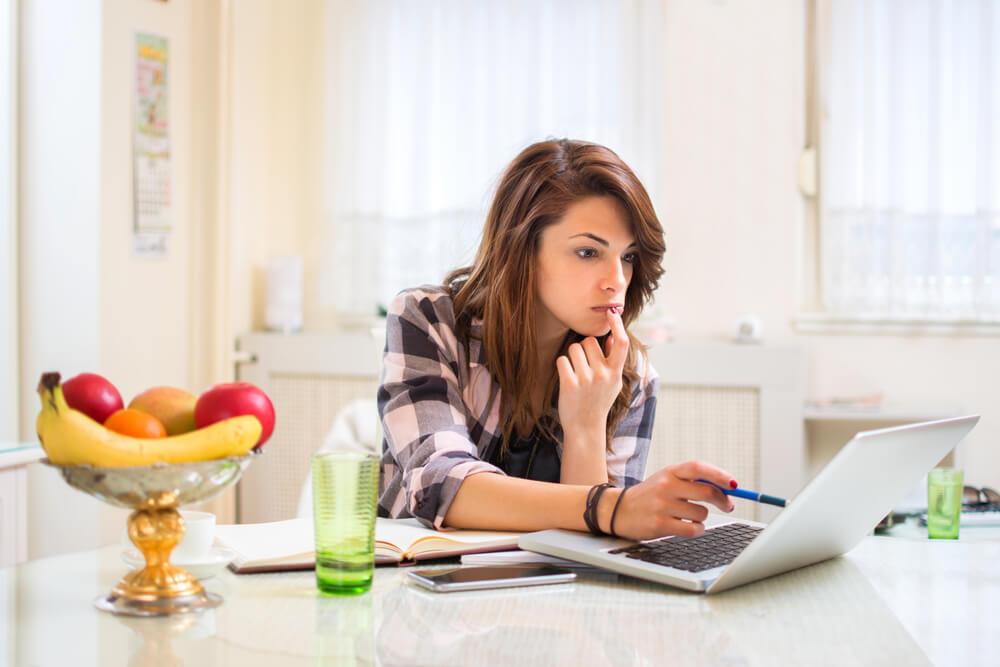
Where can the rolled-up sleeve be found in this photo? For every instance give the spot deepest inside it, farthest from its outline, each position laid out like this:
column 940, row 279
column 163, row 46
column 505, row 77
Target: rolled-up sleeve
column 427, row 449
column 630, row 443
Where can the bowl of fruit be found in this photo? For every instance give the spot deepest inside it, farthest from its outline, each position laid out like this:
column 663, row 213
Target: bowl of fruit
column 168, row 448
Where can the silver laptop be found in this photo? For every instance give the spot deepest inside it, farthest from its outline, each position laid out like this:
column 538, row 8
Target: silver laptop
column 827, row 518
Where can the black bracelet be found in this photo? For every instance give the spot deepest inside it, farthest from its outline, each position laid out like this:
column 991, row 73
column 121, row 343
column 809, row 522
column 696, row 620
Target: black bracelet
column 614, row 512
column 586, row 511
column 590, row 512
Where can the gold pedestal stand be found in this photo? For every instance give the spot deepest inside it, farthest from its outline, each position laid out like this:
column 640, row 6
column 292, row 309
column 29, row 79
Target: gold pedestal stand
column 156, row 527
column 160, row 588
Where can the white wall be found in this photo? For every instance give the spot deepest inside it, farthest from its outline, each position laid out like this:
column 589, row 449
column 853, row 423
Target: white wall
column 8, row 228
column 275, row 162
column 89, row 304
column 60, row 228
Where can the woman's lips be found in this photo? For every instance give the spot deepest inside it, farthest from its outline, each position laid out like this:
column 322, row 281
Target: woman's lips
column 615, row 308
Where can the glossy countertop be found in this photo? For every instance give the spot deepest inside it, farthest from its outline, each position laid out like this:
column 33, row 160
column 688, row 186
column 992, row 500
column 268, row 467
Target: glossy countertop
column 890, row 601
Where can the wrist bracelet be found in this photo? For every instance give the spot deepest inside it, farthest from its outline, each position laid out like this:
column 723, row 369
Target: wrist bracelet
column 590, row 512
column 614, row 512
column 586, row 510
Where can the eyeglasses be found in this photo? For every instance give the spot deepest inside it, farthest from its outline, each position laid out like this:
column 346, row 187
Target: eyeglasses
column 980, row 499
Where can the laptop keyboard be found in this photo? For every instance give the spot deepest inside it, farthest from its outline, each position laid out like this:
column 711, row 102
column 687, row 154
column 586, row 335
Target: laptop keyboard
column 717, row 547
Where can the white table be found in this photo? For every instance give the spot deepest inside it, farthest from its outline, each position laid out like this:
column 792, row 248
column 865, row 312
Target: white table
column 890, row 601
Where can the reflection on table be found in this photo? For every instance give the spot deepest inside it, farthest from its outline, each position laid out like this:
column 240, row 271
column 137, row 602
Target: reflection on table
column 890, row 601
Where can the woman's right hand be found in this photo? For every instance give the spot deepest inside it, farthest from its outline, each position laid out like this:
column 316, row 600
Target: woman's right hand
column 661, row 504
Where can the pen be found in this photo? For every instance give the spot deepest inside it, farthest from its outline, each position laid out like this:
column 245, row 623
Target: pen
column 749, row 495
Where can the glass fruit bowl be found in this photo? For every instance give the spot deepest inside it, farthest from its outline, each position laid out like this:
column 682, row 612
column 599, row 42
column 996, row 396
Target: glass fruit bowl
column 154, row 493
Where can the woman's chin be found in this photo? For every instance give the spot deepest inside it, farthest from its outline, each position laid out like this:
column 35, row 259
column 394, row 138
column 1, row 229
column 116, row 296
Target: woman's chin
column 595, row 331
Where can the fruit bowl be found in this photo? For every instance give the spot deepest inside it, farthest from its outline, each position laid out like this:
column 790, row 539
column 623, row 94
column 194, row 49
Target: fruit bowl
column 154, row 492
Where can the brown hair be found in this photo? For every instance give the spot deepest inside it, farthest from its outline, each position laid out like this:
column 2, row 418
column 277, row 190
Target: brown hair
column 534, row 192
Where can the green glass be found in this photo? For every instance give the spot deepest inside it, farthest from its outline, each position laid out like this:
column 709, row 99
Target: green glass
column 345, row 486
column 944, row 503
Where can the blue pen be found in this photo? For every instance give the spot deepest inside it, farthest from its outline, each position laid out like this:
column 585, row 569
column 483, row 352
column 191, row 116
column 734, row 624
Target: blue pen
column 749, row 495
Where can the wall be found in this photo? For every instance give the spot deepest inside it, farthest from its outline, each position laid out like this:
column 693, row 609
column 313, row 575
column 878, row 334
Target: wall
column 8, row 228
column 275, row 157
column 89, row 304
column 60, row 228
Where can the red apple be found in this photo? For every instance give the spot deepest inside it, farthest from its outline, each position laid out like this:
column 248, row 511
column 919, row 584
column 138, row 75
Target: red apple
column 92, row 395
column 232, row 399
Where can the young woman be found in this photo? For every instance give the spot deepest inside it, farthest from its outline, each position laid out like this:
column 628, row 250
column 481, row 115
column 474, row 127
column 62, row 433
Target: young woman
column 513, row 397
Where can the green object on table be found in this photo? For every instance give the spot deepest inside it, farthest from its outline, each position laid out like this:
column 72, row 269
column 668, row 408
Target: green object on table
column 345, row 486
column 944, row 503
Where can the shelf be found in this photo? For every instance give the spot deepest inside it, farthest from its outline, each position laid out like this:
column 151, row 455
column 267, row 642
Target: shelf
column 888, row 415
column 17, row 454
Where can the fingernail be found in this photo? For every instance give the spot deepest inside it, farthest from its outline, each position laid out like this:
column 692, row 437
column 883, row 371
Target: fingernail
column 731, row 507
column 733, row 484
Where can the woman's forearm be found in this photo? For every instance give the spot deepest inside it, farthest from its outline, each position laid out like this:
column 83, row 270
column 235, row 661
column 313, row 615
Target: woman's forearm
column 488, row 501
column 584, row 456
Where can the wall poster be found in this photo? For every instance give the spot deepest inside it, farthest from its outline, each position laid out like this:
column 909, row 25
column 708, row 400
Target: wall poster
column 151, row 192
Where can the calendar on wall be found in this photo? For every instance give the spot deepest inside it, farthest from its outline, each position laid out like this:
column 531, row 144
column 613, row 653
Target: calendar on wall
column 151, row 192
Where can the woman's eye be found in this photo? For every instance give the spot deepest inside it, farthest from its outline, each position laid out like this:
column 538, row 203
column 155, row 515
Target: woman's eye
column 631, row 257
column 586, row 253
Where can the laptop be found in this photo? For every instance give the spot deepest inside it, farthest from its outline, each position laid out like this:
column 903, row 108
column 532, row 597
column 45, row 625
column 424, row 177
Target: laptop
column 838, row 508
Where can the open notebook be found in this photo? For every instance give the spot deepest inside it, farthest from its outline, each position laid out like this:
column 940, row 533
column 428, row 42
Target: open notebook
column 288, row 545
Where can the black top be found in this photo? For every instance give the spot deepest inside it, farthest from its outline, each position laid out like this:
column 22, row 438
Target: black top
column 534, row 457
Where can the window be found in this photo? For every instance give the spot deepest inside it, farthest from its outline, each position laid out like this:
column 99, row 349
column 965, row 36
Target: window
column 428, row 102
column 910, row 216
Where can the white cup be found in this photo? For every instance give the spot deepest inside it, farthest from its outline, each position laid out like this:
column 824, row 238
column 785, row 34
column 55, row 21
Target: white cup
column 199, row 534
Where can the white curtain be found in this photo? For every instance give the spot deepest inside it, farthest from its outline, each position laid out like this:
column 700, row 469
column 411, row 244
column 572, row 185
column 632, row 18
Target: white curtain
column 911, row 220
column 428, row 101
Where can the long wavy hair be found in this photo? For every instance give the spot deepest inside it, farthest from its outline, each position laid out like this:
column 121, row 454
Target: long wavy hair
column 533, row 193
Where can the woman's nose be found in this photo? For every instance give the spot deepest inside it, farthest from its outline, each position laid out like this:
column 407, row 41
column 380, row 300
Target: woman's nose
column 616, row 278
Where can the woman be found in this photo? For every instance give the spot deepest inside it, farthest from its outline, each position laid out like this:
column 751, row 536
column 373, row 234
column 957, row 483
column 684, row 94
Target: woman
column 513, row 397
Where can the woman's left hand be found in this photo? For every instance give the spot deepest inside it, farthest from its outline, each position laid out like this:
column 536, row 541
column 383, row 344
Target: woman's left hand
column 589, row 380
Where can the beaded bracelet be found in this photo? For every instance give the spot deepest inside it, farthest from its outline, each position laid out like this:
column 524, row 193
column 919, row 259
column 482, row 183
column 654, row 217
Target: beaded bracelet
column 614, row 512
column 590, row 512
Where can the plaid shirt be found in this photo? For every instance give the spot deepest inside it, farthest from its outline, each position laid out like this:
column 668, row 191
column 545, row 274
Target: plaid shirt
column 438, row 419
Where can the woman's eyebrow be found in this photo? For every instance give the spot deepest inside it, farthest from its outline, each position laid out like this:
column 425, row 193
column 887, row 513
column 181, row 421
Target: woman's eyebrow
column 598, row 239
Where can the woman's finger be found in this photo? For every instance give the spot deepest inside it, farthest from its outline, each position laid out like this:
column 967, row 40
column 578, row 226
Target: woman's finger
column 593, row 351
column 685, row 528
column 682, row 509
column 707, row 493
column 692, row 470
column 618, row 350
column 565, row 369
column 579, row 359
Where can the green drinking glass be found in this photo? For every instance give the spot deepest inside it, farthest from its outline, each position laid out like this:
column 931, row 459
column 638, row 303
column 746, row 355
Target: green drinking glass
column 944, row 503
column 345, row 487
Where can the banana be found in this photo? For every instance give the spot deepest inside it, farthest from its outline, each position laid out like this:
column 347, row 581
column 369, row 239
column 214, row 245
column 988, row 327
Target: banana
column 70, row 437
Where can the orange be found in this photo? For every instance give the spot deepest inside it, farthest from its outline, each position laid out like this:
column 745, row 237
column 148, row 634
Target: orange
column 138, row 424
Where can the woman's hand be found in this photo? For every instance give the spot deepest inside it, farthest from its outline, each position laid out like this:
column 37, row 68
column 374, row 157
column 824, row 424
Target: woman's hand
column 661, row 505
column 589, row 379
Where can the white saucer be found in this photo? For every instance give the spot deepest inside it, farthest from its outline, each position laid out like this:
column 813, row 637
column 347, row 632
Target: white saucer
column 202, row 568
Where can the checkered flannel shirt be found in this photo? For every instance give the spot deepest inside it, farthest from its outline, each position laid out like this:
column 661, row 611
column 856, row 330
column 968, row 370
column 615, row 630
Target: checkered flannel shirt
column 439, row 423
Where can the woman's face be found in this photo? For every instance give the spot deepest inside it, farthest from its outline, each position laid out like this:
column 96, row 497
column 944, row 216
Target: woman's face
column 584, row 265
